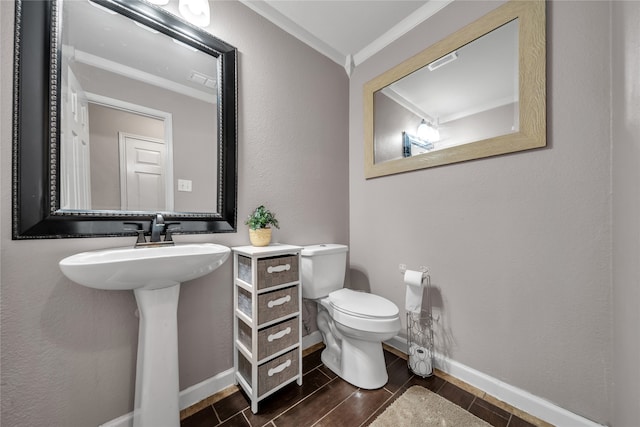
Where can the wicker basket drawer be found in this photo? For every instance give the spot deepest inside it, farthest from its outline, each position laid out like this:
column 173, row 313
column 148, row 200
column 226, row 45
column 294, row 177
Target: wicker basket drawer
column 277, row 271
column 277, row 371
column 271, row 271
column 277, row 337
column 272, row 339
column 276, row 304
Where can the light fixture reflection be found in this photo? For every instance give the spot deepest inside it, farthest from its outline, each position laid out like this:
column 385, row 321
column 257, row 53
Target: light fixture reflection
column 428, row 131
column 195, row 11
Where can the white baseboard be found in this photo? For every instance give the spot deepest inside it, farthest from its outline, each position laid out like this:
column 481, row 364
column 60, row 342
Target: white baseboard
column 312, row 339
column 514, row 396
column 198, row 392
column 188, row 396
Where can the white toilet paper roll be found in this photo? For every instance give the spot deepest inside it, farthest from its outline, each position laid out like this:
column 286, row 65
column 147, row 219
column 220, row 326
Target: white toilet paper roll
column 420, row 360
column 413, row 280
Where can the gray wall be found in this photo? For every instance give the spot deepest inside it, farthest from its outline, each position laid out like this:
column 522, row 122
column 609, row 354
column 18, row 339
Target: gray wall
column 626, row 212
column 535, row 254
column 68, row 352
column 519, row 245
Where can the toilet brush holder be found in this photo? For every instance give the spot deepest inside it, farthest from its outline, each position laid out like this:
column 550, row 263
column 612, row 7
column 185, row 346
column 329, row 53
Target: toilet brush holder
column 420, row 344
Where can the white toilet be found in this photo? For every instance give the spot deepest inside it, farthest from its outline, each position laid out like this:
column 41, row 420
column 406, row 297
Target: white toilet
column 353, row 324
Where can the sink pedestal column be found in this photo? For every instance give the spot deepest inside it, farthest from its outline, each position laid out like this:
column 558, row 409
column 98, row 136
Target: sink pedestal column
column 157, row 388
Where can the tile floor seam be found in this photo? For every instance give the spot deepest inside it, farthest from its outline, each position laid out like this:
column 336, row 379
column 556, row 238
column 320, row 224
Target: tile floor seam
column 273, row 418
column 335, row 407
column 301, row 400
column 468, row 409
column 373, row 416
column 245, row 417
column 509, row 419
column 218, row 418
column 322, row 372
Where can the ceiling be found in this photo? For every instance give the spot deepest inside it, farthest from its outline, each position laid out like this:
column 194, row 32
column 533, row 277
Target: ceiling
column 347, row 31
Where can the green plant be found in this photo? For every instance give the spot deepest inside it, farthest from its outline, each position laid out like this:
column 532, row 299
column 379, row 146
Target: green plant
column 261, row 218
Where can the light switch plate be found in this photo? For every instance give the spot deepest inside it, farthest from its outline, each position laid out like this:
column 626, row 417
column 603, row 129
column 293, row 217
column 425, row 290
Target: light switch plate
column 184, row 185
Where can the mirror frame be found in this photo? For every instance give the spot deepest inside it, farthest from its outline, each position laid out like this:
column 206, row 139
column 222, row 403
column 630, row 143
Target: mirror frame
column 532, row 91
column 36, row 122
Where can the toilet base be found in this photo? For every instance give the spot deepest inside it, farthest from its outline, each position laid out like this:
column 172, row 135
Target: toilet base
column 361, row 363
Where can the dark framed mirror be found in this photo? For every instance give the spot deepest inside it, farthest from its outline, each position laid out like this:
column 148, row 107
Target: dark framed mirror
column 62, row 188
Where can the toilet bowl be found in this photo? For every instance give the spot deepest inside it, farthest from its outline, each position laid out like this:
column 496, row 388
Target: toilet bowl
column 353, row 324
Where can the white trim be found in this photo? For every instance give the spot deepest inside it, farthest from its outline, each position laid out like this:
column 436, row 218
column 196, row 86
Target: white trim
column 311, row 339
column 390, row 92
column 201, row 391
column 514, row 396
column 143, row 76
column 423, row 13
column 188, row 397
column 352, row 60
column 263, row 9
column 518, row 398
column 165, row 116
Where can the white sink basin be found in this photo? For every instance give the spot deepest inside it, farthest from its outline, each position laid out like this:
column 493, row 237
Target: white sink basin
column 143, row 268
column 154, row 275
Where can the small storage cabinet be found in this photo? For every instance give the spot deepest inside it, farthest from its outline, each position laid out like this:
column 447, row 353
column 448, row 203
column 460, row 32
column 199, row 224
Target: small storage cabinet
column 267, row 321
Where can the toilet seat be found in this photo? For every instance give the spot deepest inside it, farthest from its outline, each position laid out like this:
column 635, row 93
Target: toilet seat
column 363, row 311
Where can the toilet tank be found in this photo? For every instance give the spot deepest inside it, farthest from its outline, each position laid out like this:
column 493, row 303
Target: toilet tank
column 323, row 268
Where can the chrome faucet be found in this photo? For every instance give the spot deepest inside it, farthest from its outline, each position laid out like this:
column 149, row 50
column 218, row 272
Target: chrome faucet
column 157, row 227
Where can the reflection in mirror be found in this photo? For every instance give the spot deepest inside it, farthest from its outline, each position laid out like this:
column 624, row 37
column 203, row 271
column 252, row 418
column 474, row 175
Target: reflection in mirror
column 477, row 93
column 121, row 110
column 441, row 105
column 136, row 131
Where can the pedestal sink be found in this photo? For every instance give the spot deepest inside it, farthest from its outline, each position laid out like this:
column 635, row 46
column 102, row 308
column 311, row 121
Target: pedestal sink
column 154, row 274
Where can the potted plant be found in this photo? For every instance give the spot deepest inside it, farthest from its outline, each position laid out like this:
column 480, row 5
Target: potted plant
column 260, row 222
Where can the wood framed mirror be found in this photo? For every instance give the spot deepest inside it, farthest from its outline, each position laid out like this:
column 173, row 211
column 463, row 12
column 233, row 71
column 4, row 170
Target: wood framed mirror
column 479, row 92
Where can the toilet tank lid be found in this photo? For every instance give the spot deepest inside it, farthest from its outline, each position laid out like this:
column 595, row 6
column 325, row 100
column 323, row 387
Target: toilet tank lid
column 323, row 249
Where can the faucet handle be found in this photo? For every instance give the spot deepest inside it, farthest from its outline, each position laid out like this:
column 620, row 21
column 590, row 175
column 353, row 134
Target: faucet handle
column 141, row 238
column 138, row 229
column 169, row 230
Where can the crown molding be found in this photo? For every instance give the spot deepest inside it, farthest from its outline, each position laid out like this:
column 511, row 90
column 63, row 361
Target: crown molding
column 263, row 9
column 353, row 59
column 400, row 29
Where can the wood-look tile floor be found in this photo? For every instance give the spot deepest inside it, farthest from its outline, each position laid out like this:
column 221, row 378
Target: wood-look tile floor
column 326, row 400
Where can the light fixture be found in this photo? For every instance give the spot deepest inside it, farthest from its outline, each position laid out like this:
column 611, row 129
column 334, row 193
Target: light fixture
column 440, row 62
column 428, row 131
column 195, row 11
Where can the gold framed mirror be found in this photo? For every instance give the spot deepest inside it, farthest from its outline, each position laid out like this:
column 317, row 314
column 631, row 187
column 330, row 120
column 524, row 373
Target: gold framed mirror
column 479, row 92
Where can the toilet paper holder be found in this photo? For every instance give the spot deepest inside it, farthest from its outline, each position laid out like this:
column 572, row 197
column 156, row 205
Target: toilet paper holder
column 425, row 270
